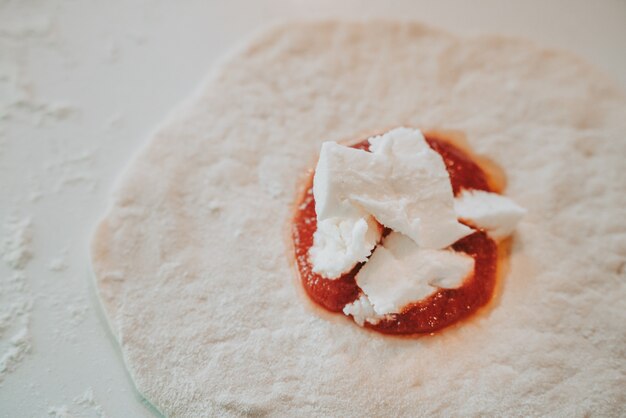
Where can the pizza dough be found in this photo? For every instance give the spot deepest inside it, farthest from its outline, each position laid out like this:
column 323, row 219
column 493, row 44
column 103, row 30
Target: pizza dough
column 194, row 268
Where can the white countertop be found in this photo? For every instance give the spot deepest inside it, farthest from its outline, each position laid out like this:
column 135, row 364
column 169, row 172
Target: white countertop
column 82, row 84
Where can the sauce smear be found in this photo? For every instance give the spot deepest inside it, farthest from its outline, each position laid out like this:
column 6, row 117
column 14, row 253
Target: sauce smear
column 442, row 308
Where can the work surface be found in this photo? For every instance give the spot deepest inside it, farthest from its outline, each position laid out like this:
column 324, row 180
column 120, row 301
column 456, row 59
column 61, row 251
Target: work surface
column 81, row 87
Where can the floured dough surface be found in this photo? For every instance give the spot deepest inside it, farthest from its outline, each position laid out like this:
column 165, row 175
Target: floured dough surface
column 193, row 267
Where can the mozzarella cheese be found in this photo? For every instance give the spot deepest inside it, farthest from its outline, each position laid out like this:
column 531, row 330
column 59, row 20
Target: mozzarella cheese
column 496, row 214
column 362, row 311
column 402, row 182
column 399, row 272
column 340, row 243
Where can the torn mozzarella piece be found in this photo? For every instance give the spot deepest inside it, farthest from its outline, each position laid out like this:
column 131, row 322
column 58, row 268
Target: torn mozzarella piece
column 362, row 311
column 340, row 243
column 402, row 182
column 496, row 214
column 399, row 272
column 340, row 171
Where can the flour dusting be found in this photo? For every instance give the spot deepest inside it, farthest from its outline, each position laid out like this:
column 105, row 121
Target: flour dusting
column 88, row 402
column 58, row 264
column 67, row 170
column 82, row 406
column 16, row 301
column 15, row 246
column 20, row 103
column 15, row 341
column 62, row 172
column 68, row 313
column 59, row 412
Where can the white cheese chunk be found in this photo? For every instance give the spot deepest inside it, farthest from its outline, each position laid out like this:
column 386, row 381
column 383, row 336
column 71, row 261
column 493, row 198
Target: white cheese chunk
column 362, row 311
column 339, row 171
column 403, row 183
column 340, row 243
column 399, row 272
column 496, row 214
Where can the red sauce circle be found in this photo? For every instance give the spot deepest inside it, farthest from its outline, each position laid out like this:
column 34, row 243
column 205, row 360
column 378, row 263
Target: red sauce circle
column 442, row 308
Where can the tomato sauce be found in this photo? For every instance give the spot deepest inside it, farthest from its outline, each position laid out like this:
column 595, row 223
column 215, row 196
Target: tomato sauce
column 442, row 308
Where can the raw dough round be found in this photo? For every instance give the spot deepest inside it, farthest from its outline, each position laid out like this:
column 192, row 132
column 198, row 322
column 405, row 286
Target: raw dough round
column 194, row 270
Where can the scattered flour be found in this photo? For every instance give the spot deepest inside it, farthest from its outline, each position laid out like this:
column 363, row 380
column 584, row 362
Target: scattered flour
column 70, row 170
column 76, row 312
column 58, row 264
column 17, row 345
column 68, row 313
column 59, row 412
column 16, row 301
column 15, row 246
column 18, row 99
column 19, row 102
column 65, row 171
column 87, row 401
column 83, row 406
column 41, row 111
